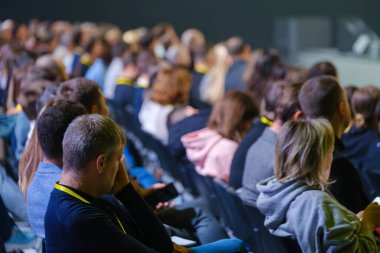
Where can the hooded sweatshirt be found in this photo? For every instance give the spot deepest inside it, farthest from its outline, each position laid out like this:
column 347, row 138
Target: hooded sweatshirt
column 210, row 153
column 312, row 217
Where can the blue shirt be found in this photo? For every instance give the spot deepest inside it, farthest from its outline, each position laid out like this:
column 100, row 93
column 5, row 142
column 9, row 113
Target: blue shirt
column 38, row 194
column 97, row 72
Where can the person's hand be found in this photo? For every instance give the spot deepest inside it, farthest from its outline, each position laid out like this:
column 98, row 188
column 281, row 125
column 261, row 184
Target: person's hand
column 371, row 216
column 164, row 205
column 121, row 179
column 145, row 192
column 190, row 111
column 360, row 214
column 180, row 249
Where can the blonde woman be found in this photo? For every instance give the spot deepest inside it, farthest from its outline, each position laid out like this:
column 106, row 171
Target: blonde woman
column 212, row 84
column 296, row 201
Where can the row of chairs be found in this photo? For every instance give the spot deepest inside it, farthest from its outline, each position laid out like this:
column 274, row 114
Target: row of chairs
column 245, row 222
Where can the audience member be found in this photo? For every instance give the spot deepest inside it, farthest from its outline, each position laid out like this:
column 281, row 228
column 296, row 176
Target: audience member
column 51, row 127
column 297, row 203
column 239, row 52
column 323, row 68
column 260, row 156
column 364, row 128
column 323, row 97
column 267, row 69
column 168, row 103
column 211, row 149
column 77, row 213
column 212, row 84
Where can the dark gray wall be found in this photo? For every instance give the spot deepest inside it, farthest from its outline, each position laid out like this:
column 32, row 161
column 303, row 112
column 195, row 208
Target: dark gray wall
column 219, row 19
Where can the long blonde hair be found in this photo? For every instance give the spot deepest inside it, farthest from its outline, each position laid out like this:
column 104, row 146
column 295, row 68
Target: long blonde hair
column 212, row 86
column 29, row 161
column 301, row 150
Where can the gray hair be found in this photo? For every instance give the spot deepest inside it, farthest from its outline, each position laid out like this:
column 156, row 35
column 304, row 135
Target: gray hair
column 87, row 137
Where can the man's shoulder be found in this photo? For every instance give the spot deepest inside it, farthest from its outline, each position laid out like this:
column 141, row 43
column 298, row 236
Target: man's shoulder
column 69, row 210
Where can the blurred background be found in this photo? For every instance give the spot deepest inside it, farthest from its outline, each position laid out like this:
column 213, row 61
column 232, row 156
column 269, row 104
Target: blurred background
column 344, row 32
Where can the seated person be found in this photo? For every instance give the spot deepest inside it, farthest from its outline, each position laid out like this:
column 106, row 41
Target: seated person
column 51, row 126
column 259, row 159
column 296, row 201
column 192, row 223
column 168, row 102
column 323, row 97
column 211, row 149
column 267, row 116
column 363, row 132
column 79, row 219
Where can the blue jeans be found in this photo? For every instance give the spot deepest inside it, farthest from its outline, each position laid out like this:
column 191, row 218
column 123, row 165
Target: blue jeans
column 12, row 195
column 221, row 246
column 5, row 227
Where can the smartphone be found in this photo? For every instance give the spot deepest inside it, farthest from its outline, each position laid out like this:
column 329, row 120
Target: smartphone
column 376, row 200
column 165, row 194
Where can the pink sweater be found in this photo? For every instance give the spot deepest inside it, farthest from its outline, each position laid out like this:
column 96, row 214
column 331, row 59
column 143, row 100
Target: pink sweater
column 210, row 152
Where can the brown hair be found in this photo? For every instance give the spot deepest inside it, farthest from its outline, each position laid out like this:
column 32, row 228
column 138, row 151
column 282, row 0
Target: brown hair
column 348, row 92
column 172, row 86
column 320, row 96
column 267, row 69
column 80, row 90
column 286, row 104
column 324, row 68
column 364, row 101
column 231, row 116
column 301, row 150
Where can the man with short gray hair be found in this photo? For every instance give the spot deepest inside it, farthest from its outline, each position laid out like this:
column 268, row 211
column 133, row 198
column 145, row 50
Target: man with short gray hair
column 79, row 218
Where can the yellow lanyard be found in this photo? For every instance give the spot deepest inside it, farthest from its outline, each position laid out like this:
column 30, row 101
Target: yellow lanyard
column 75, row 195
column 266, row 121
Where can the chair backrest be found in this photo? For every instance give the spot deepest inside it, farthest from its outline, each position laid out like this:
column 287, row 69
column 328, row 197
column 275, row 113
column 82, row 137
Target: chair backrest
column 131, row 124
column 235, row 215
column 272, row 243
column 207, row 192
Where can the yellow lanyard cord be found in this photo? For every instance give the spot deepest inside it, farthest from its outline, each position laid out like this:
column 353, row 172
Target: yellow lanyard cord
column 266, row 121
column 75, row 195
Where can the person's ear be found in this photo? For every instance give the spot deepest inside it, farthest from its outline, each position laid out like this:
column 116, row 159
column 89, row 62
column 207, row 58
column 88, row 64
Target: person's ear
column 94, row 109
column 100, row 163
column 342, row 110
column 297, row 115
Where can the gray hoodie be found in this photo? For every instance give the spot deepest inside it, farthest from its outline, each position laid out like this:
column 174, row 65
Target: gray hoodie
column 313, row 217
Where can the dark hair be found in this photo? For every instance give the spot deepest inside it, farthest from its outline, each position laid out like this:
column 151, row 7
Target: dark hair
column 364, row 102
column 89, row 136
column 285, row 99
column 81, row 90
column 349, row 91
column 323, row 69
column 230, row 116
column 52, row 124
column 320, row 96
column 268, row 68
column 296, row 74
column 76, row 36
column 29, row 95
column 47, row 96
